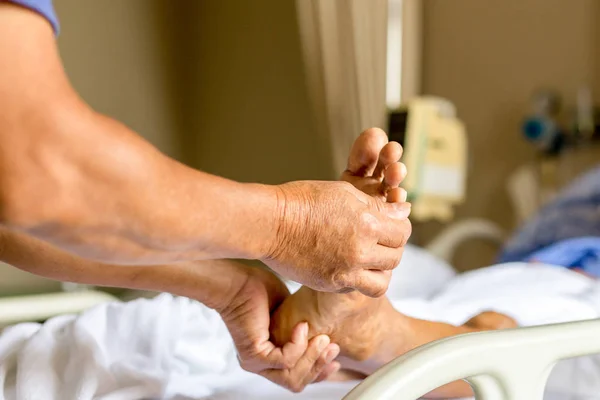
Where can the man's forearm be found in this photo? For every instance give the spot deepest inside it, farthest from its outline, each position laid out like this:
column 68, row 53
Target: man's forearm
column 210, row 282
column 88, row 184
column 100, row 191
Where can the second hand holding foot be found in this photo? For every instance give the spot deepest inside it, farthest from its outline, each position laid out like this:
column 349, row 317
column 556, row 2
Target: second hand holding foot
column 338, row 238
column 341, row 236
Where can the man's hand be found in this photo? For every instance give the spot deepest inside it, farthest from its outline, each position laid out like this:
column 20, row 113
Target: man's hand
column 247, row 316
column 244, row 297
column 335, row 238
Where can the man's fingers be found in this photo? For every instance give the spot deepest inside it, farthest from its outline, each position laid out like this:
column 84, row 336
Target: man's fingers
column 279, row 358
column 393, row 233
column 297, row 346
column 373, row 283
column 318, row 354
column 322, row 365
column 393, row 228
column 330, row 368
column 390, row 154
column 328, row 371
column 385, row 259
column 365, row 152
column 305, row 371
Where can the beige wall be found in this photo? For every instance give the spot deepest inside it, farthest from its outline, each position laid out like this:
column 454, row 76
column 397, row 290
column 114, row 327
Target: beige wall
column 115, row 54
column 218, row 84
column 488, row 57
column 246, row 111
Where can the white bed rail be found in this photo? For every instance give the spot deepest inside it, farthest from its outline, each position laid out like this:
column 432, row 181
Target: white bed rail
column 500, row 365
column 43, row 306
column 444, row 245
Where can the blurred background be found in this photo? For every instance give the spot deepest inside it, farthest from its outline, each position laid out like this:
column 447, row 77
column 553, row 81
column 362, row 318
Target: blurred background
column 276, row 90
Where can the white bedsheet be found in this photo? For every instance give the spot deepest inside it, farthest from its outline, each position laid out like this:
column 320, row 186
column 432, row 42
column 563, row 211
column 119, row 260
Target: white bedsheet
column 175, row 348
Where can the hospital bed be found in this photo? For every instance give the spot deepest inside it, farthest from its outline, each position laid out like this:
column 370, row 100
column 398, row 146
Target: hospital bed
column 499, row 365
column 26, row 297
column 39, row 307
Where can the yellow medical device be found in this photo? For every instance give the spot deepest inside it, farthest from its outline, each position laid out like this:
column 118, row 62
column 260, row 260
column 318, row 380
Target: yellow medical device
column 435, row 154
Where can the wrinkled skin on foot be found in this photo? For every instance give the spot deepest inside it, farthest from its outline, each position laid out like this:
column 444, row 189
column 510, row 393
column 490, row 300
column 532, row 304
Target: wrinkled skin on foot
column 364, row 327
column 351, row 320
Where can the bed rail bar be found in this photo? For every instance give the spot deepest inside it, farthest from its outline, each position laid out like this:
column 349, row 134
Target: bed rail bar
column 509, row 364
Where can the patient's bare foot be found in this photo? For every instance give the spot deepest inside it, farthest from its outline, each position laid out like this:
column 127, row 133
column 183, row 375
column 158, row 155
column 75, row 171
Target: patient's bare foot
column 370, row 332
column 360, row 325
column 373, row 167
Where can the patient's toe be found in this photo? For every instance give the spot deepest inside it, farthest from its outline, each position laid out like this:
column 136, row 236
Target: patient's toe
column 491, row 320
column 392, row 177
column 365, row 152
column 389, row 155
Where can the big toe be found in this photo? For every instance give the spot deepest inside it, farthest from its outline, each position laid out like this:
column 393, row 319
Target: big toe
column 365, row 153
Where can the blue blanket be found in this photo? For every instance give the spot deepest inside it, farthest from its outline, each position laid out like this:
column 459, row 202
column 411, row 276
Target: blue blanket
column 581, row 253
column 564, row 232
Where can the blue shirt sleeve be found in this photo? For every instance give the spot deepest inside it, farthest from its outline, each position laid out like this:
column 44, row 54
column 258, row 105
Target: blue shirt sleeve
column 43, row 7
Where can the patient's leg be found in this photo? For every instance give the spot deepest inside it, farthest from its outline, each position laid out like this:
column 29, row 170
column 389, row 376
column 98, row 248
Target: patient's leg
column 370, row 332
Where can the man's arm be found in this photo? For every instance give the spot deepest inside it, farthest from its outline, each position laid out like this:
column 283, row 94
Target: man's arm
column 195, row 279
column 89, row 185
